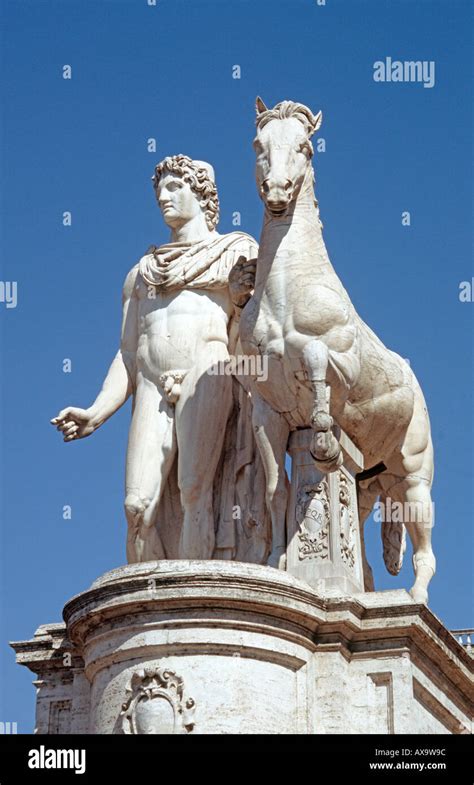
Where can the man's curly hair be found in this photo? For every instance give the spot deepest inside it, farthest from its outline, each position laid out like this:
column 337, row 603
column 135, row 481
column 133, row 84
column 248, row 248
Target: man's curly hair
column 199, row 180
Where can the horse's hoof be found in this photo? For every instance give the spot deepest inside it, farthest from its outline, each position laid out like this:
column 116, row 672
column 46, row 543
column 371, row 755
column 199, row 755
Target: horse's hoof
column 419, row 594
column 327, row 455
column 277, row 559
column 332, row 465
column 424, row 565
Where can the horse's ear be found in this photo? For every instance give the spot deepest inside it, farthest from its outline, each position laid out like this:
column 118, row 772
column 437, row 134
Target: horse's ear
column 260, row 106
column 316, row 123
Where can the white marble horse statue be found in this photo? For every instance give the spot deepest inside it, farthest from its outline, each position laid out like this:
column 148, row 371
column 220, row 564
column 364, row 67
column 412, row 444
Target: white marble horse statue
column 325, row 365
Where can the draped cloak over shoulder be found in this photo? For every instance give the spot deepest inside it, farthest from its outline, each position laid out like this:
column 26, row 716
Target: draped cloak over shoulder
column 204, row 264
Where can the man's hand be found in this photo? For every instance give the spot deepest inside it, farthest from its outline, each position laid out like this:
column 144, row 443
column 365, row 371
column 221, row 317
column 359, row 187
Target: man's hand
column 75, row 423
column 242, row 280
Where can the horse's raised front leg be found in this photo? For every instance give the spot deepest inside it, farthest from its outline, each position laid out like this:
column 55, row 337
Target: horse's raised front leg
column 325, row 448
column 271, row 434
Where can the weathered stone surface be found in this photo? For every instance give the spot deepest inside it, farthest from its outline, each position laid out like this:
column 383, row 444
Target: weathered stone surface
column 324, row 544
column 191, row 456
column 325, row 365
column 254, row 650
column 228, row 645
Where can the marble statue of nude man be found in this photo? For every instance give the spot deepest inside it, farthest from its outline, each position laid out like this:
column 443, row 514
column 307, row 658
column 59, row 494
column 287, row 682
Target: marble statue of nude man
column 181, row 305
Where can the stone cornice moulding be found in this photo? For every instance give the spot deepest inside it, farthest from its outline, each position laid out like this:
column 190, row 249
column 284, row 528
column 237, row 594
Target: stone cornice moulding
column 293, row 610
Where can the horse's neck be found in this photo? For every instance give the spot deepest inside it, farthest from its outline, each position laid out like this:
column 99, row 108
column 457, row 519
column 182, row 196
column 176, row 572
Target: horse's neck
column 296, row 237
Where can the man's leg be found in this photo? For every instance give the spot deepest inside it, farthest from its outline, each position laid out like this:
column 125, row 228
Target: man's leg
column 150, row 454
column 202, row 412
column 271, row 434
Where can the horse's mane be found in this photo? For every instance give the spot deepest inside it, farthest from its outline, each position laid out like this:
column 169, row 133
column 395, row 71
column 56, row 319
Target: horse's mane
column 285, row 110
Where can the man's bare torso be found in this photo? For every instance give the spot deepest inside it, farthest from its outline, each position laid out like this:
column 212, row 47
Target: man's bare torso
column 174, row 327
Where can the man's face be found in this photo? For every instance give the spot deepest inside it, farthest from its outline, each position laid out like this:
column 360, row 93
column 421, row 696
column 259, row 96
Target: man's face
column 178, row 203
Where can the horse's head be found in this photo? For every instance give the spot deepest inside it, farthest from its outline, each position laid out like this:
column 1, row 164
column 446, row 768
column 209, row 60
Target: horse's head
column 283, row 151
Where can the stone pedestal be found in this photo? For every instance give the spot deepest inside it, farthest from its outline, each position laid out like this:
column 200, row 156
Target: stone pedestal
column 324, row 544
column 227, row 647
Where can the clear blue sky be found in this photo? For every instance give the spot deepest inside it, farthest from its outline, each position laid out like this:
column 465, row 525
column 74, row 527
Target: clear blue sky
column 80, row 145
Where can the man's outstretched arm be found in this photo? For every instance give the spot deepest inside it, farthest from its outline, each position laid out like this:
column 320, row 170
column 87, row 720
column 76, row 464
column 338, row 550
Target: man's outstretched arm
column 76, row 423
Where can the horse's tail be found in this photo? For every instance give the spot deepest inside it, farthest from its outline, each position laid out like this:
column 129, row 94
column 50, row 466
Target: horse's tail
column 394, row 546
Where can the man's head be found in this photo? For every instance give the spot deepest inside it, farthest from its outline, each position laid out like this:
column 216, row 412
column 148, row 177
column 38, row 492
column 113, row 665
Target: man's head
column 184, row 188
